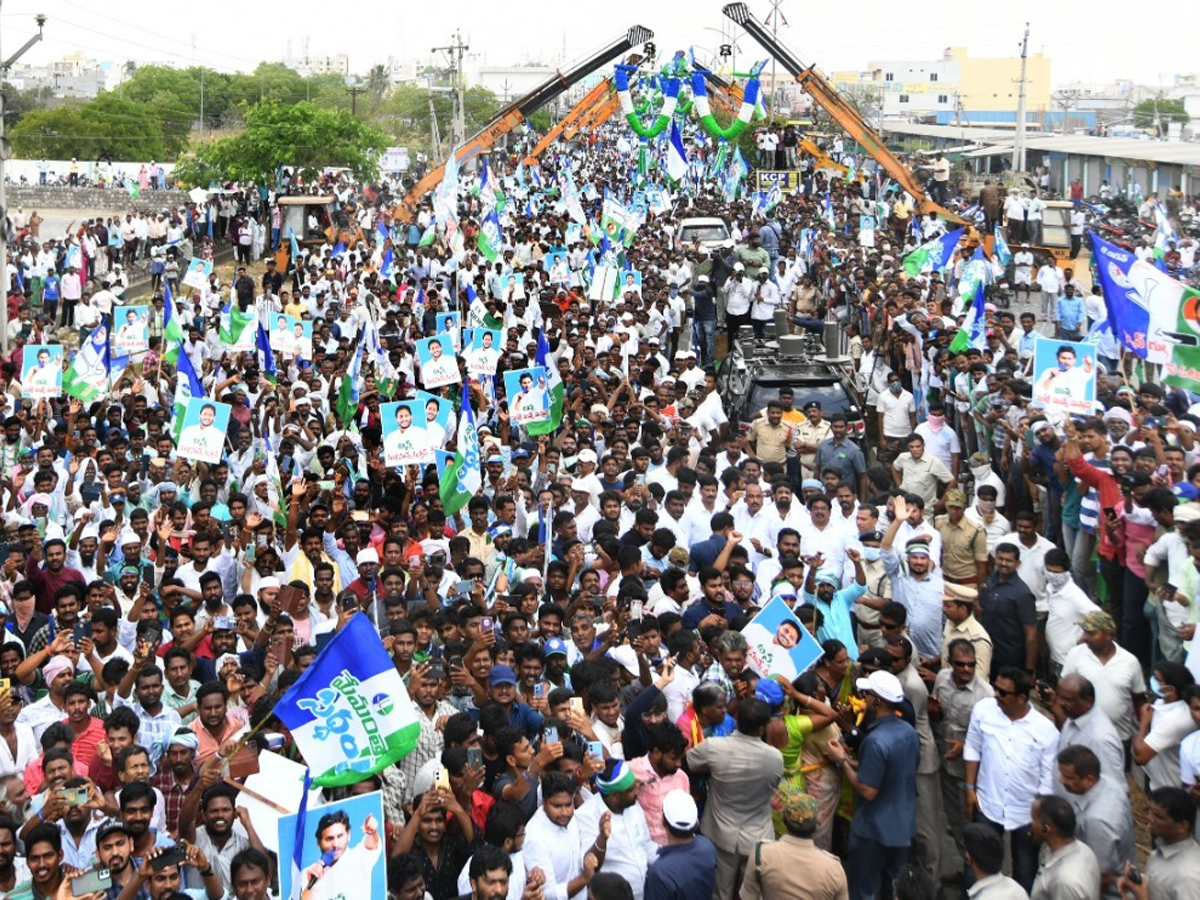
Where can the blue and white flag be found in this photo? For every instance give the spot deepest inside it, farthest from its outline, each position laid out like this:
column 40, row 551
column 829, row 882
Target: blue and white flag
column 1000, row 245
column 266, row 357
column 349, row 713
column 677, row 158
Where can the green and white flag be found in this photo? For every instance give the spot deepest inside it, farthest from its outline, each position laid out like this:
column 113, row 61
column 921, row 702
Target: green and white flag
column 349, row 713
column 489, row 240
column 238, row 331
column 464, row 475
column 933, row 255
column 87, row 378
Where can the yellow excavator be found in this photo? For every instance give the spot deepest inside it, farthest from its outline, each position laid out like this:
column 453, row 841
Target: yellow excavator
column 592, row 110
column 516, row 113
column 840, row 110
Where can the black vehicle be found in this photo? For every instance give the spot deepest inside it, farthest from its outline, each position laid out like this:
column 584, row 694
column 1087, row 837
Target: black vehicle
column 748, row 382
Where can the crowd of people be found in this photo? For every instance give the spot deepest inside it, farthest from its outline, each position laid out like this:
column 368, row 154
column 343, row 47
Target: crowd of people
column 1004, row 597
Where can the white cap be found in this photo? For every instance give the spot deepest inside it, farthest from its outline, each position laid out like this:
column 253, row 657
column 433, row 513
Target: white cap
column 366, row 555
column 883, row 685
column 269, row 582
column 738, row 267
column 587, row 455
column 128, row 536
column 679, row 810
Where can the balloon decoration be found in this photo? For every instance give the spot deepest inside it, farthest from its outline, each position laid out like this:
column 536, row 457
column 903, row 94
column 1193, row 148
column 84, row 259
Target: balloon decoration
column 672, row 100
column 704, row 112
column 670, row 92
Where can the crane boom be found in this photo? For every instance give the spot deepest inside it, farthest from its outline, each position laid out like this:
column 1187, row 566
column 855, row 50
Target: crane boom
column 511, row 116
column 829, row 99
column 580, row 112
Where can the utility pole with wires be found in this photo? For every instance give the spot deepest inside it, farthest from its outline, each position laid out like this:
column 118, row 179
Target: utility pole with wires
column 354, row 91
column 5, row 152
column 454, row 53
column 775, row 17
column 1018, row 157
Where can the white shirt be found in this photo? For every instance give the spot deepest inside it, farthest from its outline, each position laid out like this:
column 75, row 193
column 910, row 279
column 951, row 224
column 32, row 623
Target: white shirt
column 556, row 852
column 942, row 444
column 1172, row 722
column 678, row 694
column 1115, row 681
column 1067, row 609
column 896, row 409
column 1017, row 761
column 28, row 750
column 1189, row 759
column 630, row 847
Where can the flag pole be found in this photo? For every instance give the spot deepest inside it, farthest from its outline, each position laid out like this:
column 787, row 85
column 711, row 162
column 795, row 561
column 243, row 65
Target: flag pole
column 549, row 541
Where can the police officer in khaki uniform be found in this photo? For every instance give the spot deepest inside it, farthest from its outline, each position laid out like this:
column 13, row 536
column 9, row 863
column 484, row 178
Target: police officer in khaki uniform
column 809, row 436
column 793, row 866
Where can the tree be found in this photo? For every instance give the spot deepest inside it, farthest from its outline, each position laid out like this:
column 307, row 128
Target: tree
column 18, row 102
column 1159, row 113
column 378, row 81
column 299, row 135
column 105, row 128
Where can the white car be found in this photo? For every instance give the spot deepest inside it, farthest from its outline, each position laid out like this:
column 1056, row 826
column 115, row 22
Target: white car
column 712, row 234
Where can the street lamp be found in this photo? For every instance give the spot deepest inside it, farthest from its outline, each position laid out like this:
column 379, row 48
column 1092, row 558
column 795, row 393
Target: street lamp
column 4, row 152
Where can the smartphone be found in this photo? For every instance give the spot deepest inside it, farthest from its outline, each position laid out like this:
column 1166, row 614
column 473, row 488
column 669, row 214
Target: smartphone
column 487, row 624
column 325, row 485
column 350, row 601
column 224, row 623
column 455, row 662
column 634, row 629
column 443, row 778
column 1110, row 512
column 1043, row 687
column 172, row 856
column 90, row 882
column 596, row 749
column 577, row 706
column 414, row 605
column 74, row 796
column 1134, row 876
column 474, row 756
column 465, row 586
column 5, row 685
column 550, row 735
column 79, row 632
column 539, row 690
column 437, row 671
column 635, row 608
column 1171, row 589
column 639, row 479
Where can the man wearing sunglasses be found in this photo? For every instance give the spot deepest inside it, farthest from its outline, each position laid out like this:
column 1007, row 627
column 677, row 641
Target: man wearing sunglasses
column 1009, row 758
column 956, row 691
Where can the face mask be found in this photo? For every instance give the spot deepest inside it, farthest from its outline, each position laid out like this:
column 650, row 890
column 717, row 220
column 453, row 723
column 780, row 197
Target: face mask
column 1057, row 580
column 987, row 506
column 895, row 387
column 936, row 422
column 1155, row 686
column 871, row 554
column 981, row 472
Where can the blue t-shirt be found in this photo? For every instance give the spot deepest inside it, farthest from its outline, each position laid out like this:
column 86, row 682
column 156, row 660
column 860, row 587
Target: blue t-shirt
column 888, row 761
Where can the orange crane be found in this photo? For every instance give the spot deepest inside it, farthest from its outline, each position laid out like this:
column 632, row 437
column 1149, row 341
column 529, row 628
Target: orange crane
column 512, row 116
column 580, row 113
column 826, row 95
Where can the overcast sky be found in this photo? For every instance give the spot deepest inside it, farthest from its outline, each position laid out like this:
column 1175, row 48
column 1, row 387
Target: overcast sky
column 1091, row 43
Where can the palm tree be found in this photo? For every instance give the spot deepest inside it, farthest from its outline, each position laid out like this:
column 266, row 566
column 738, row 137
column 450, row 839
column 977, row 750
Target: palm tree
column 378, row 81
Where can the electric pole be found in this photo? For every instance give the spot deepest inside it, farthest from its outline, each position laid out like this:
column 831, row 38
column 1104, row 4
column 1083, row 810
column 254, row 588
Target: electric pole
column 775, row 16
column 454, row 52
column 354, row 91
column 1018, row 157
column 5, row 67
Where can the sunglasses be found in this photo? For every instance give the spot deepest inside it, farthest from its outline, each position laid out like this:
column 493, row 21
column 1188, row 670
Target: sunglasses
column 960, row 664
column 1000, row 692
